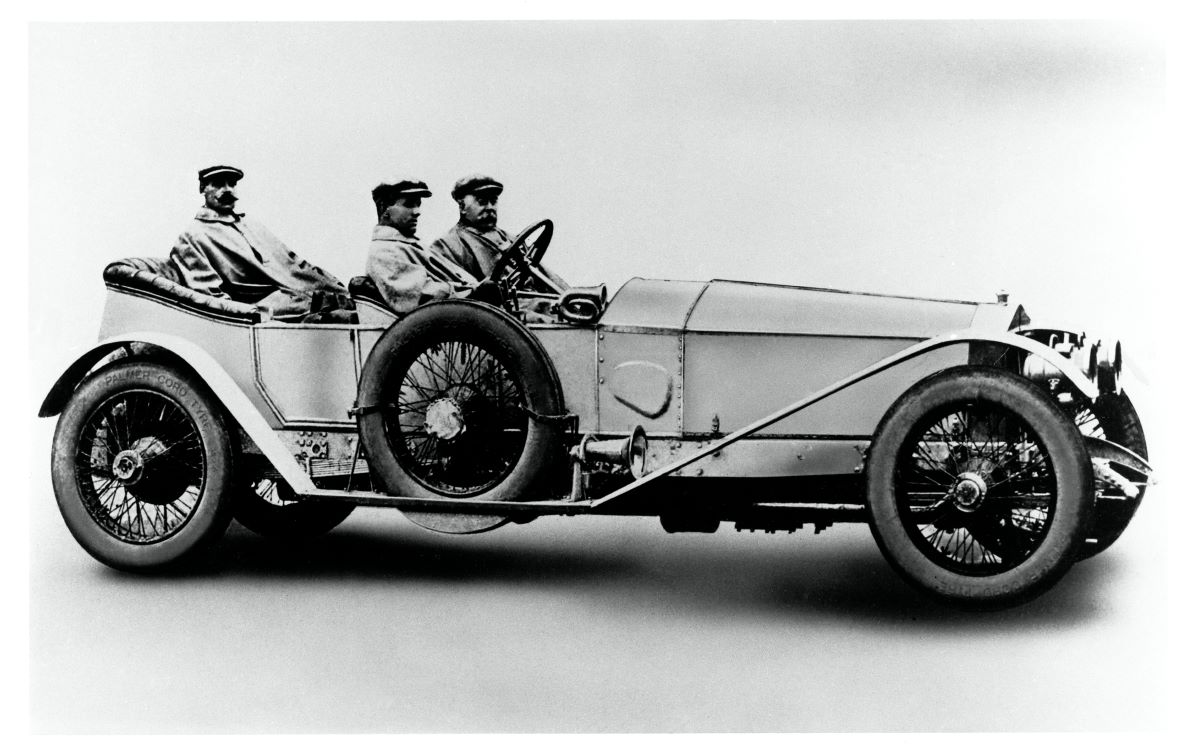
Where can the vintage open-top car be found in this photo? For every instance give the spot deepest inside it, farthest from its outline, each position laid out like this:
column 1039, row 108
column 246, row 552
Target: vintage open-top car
column 986, row 454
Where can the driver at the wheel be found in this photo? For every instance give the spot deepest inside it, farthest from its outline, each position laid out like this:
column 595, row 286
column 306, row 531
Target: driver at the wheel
column 475, row 242
column 404, row 272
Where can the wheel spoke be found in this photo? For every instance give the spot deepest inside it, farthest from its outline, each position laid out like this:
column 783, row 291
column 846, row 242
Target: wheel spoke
column 193, row 439
column 933, row 515
column 932, row 463
column 1001, row 537
column 1000, row 475
column 158, row 495
column 465, row 379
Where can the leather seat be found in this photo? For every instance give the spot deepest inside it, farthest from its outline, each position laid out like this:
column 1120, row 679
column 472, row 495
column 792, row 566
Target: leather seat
column 373, row 310
column 364, row 287
column 159, row 278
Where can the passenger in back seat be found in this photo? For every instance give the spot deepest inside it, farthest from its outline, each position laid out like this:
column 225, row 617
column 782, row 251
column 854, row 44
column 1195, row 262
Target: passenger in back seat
column 224, row 254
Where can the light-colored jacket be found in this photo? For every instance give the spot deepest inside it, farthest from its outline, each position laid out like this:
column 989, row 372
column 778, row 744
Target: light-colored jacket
column 228, row 255
column 478, row 252
column 408, row 275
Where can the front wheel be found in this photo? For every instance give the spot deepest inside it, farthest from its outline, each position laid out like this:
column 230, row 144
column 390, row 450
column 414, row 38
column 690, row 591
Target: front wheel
column 142, row 466
column 979, row 488
column 1113, row 418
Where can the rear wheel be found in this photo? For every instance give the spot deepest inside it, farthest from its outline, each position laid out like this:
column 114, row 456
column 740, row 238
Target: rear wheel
column 980, row 489
column 141, row 466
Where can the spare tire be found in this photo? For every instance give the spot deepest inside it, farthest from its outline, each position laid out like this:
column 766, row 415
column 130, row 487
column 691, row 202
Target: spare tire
column 453, row 401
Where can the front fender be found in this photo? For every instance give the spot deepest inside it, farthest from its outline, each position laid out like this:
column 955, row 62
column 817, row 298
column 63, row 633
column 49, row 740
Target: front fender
column 1069, row 369
column 966, row 336
column 214, row 376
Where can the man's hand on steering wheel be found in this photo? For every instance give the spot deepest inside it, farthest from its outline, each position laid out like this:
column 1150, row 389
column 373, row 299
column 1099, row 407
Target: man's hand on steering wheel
column 524, row 257
column 492, row 293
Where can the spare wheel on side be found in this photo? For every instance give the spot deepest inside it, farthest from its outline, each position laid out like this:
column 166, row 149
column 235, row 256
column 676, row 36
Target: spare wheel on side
column 454, row 398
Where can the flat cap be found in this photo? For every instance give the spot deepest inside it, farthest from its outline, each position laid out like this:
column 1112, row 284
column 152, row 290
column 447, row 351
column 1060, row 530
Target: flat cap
column 388, row 192
column 475, row 184
column 209, row 173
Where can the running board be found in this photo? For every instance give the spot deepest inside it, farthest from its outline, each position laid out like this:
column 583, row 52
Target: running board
column 562, row 507
column 457, row 506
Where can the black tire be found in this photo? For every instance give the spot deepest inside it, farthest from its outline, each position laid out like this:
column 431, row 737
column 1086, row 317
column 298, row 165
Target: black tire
column 479, row 376
column 142, row 466
column 268, row 507
column 1113, row 418
column 979, row 488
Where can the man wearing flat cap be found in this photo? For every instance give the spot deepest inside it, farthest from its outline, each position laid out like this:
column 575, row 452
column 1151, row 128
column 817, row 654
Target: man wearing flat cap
column 475, row 242
column 406, row 274
column 224, row 254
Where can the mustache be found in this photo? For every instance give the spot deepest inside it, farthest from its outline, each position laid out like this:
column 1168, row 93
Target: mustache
column 226, row 198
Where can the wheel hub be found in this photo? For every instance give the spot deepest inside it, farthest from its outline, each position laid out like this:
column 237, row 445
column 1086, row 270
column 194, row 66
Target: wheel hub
column 444, row 419
column 140, row 471
column 128, row 465
column 969, row 491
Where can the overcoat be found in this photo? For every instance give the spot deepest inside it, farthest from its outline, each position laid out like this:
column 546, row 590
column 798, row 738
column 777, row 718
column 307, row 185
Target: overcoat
column 477, row 252
column 228, row 255
column 408, row 275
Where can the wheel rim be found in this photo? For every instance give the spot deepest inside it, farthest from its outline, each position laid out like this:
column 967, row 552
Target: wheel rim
column 457, row 424
column 976, row 489
column 140, row 466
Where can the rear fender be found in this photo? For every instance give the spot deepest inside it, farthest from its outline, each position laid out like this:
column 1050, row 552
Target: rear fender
column 214, row 376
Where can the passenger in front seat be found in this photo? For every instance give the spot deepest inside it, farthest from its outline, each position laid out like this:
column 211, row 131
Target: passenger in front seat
column 405, row 273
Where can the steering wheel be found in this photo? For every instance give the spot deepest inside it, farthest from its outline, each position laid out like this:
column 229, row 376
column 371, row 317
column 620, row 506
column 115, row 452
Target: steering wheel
column 525, row 255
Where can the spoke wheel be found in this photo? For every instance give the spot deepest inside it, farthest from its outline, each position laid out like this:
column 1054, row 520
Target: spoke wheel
column 269, row 507
column 979, row 488
column 453, row 390
column 141, row 466
column 458, row 426
column 975, row 489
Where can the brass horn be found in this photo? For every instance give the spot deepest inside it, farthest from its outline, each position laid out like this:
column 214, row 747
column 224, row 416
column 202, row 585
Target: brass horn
column 583, row 304
column 629, row 452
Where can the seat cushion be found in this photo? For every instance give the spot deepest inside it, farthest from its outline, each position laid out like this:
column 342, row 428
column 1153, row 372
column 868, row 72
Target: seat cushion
column 155, row 266
column 373, row 310
column 160, row 278
column 364, row 287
